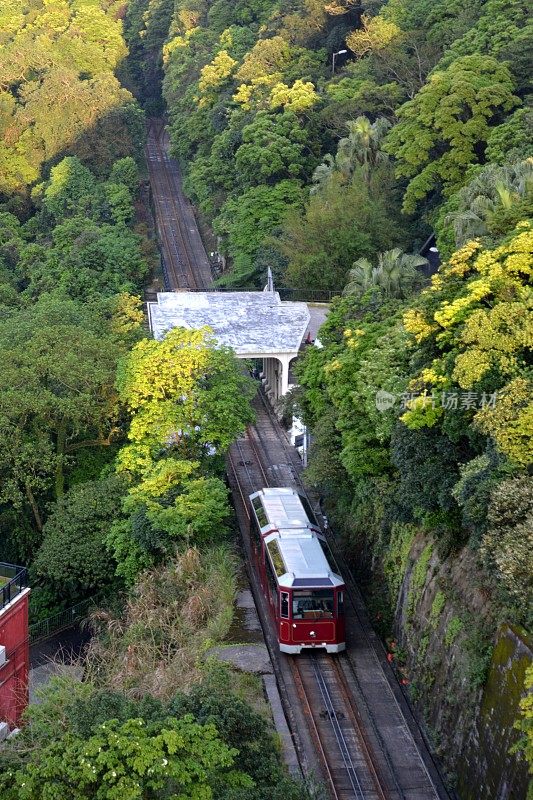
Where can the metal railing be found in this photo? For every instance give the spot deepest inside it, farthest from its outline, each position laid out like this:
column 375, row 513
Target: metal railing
column 285, row 293
column 13, row 579
column 60, row 621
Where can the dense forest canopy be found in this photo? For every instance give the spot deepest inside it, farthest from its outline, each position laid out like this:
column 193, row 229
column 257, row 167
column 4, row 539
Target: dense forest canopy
column 111, row 473
column 82, row 507
column 257, row 116
column 327, row 141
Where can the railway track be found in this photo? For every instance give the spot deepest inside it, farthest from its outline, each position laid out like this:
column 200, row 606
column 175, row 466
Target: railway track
column 185, row 262
column 364, row 745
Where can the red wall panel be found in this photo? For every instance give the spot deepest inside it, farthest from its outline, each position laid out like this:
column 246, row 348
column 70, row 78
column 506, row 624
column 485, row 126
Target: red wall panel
column 14, row 673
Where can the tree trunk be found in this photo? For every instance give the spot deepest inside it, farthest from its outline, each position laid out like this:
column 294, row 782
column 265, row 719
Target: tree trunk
column 61, row 442
column 34, row 508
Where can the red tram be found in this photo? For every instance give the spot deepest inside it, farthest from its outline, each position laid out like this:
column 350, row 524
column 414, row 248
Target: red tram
column 306, row 598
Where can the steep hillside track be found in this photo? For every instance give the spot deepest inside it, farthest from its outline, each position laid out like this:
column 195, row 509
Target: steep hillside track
column 364, row 740
column 185, row 262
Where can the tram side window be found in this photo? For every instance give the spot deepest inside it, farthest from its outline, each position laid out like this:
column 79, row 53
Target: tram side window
column 340, row 603
column 256, row 536
column 312, row 604
column 260, row 512
column 284, row 605
column 272, row 583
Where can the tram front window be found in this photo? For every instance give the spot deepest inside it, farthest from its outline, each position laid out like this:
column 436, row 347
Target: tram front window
column 312, row 604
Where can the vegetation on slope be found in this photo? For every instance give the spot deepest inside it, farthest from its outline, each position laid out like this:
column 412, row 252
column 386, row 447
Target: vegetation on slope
column 112, row 467
column 254, row 110
column 420, row 401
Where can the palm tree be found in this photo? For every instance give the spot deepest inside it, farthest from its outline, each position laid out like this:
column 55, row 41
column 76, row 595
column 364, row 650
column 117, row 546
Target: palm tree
column 396, row 274
column 322, row 173
column 361, row 277
column 494, row 189
column 362, row 147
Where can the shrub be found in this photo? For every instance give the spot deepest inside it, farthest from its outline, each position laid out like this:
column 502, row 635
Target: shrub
column 507, row 547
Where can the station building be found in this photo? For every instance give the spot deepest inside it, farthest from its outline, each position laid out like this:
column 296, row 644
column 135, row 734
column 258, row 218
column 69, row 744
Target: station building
column 14, row 646
column 256, row 325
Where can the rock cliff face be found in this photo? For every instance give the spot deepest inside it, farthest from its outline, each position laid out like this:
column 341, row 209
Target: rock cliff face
column 465, row 675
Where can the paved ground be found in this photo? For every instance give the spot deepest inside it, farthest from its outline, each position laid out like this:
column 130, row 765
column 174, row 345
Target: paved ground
column 318, row 312
column 245, row 657
column 54, row 656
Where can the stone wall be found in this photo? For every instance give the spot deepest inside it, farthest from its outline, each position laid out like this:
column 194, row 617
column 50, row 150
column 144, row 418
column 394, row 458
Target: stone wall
column 465, row 673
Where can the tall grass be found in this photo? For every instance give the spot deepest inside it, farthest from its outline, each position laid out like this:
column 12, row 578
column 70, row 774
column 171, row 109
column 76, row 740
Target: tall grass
column 174, row 614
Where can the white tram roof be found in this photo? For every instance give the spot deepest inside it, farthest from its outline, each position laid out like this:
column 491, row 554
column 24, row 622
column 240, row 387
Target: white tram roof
column 283, row 508
column 304, row 562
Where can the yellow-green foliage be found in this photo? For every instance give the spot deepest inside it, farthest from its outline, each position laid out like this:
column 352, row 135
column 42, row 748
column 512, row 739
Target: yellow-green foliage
column 478, row 312
column 453, row 629
column 510, row 422
column 216, row 73
column 376, row 34
column 299, row 97
column 58, row 60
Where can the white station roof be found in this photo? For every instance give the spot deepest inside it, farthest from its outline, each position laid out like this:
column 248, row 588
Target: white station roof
column 251, row 323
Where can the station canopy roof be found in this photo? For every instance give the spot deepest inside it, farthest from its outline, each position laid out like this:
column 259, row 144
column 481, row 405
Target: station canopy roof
column 253, row 324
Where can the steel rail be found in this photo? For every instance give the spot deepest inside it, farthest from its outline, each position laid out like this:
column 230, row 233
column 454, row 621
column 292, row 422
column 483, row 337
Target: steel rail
column 438, row 793
column 252, row 433
column 180, row 204
column 300, row 688
column 174, row 268
column 179, row 253
column 354, row 715
column 337, row 729
column 175, row 198
column 297, row 678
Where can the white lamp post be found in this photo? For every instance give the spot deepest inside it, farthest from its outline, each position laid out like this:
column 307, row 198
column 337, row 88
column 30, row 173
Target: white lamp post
column 338, row 53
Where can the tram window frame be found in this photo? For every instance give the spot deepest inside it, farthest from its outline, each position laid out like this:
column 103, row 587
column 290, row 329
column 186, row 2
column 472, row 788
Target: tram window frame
column 340, row 603
column 284, row 605
column 256, row 533
column 303, row 601
column 271, row 580
column 260, row 512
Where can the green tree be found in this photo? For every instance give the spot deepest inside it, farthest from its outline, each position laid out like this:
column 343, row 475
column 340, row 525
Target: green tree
column 396, row 274
column 72, row 558
column 85, row 258
column 494, row 201
column 247, row 221
column 445, row 128
column 273, row 147
column 70, row 190
column 525, row 724
column 186, row 397
column 507, row 546
column 341, row 223
column 132, row 759
column 59, row 360
column 125, row 171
